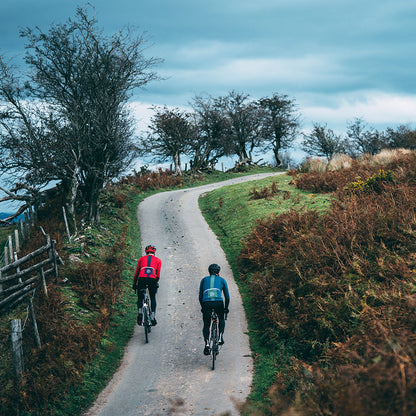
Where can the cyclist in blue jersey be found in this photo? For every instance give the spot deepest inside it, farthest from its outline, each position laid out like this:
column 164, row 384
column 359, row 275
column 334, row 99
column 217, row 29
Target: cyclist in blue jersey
column 210, row 297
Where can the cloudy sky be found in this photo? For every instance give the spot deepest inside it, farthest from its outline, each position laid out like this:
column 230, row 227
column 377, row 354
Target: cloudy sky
column 337, row 59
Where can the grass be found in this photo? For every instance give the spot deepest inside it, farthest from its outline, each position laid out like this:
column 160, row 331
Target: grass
column 232, row 216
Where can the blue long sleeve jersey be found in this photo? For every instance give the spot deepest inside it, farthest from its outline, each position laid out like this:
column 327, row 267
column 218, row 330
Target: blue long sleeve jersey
column 211, row 289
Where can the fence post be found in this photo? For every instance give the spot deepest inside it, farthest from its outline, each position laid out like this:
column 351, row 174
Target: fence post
column 10, row 248
column 55, row 263
column 66, row 225
column 45, row 288
column 32, row 309
column 35, row 324
column 17, row 349
column 6, row 255
column 21, row 228
column 16, row 239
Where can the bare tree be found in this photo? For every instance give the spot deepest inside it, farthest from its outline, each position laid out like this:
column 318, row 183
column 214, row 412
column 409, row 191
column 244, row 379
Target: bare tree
column 279, row 123
column 322, row 142
column 83, row 80
column 213, row 138
column 172, row 131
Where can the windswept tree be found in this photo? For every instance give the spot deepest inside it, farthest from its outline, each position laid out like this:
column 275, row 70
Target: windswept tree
column 322, row 141
column 213, row 139
column 83, row 81
column 363, row 139
column 172, row 131
column 244, row 120
column 279, row 123
column 401, row 137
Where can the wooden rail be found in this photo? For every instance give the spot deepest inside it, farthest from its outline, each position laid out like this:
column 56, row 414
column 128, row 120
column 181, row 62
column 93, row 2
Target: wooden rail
column 17, row 283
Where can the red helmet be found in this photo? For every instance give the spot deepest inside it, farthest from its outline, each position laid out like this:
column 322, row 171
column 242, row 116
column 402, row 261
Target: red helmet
column 150, row 249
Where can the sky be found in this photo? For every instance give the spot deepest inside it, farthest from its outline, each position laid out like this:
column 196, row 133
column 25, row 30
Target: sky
column 338, row 60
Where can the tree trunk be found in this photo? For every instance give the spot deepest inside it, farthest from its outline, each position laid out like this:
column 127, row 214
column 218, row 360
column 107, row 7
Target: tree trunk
column 70, row 204
column 177, row 162
column 276, row 156
column 92, row 195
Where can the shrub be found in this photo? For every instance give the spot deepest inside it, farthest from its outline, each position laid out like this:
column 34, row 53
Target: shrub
column 340, row 287
column 373, row 183
column 313, row 165
column 340, row 161
column 146, row 180
column 264, row 193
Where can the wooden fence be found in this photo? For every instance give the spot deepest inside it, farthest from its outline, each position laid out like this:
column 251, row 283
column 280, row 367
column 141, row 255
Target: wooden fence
column 18, row 281
column 17, row 238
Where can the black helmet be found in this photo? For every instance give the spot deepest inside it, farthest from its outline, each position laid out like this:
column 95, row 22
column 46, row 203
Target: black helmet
column 214, row 269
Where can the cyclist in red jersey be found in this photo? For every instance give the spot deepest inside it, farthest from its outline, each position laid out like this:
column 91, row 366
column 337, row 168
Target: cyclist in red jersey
column 147, row 274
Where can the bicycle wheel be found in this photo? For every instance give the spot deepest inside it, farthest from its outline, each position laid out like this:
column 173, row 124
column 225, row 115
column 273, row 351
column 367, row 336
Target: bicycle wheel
column 146, row 323
column 214, row 347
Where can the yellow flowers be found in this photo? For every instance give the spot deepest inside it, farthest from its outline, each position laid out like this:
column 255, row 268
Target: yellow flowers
column 373, row 183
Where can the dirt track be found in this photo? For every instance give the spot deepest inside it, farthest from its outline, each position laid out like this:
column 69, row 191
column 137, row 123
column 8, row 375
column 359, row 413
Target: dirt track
column 170, row 375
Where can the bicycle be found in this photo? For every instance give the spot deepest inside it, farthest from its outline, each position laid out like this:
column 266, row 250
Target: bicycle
column 146, row 323
column 214, row 345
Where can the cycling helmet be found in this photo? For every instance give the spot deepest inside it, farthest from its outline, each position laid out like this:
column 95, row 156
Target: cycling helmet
column 150, row 249
column 214, row 269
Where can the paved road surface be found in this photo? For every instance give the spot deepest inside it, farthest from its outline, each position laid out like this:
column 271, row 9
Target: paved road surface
column 170, row 375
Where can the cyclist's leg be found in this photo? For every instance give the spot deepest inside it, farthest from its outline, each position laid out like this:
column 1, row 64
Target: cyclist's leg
column 206, row 316
column 220, row 312
column 141, row 287
column 152, row 285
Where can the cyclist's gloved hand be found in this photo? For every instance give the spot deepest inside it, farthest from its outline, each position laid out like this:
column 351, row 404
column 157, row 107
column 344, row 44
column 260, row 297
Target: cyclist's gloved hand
column 134, row 288
column 226, row 310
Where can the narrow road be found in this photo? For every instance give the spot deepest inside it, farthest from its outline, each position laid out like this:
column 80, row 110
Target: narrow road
column 170, row 375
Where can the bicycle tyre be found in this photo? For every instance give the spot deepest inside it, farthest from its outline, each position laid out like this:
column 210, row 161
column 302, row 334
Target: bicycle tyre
column 214, row 349
column 146, row 324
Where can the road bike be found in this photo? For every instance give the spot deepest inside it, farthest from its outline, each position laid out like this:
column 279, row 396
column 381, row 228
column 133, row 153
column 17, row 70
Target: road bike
column 146, row 323
column 214, row 337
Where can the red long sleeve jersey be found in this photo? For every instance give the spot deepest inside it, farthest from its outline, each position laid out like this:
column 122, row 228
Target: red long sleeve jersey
column 148, row 266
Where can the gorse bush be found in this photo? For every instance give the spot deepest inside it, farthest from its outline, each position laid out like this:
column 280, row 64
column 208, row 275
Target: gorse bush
column 341, row 288
column 325, row 181
column 372, row 184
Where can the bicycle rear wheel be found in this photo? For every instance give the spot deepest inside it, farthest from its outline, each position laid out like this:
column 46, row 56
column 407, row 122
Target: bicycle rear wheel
column 146, row 324
column 214, row 347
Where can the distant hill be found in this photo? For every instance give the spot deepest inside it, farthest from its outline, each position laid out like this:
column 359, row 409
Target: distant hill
column 7, row 214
